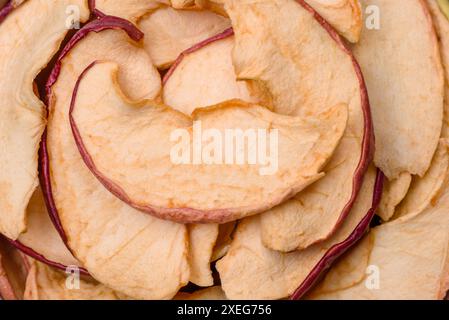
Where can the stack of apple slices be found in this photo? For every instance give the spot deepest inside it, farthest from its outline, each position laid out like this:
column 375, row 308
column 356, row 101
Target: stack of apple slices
column 223, row 149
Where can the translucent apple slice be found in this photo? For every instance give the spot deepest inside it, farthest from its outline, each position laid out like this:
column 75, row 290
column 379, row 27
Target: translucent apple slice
column 22, row 115
column 408, row 114
column 168, row 32
column 251, row 271
column 128, row 251
column 344, row 15
column 417, row 247
column 297, row 67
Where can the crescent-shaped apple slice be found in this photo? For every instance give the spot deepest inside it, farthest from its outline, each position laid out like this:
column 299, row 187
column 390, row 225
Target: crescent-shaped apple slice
column 212, row 188
column 408, row 261
column 22, row 115
column 297, row 67
column 41, row 241
column 130, row 252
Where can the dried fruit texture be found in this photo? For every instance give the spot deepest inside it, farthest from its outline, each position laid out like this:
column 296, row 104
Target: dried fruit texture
column 128, row 251
column 205, row 191
column 41, row 236
column 22, row 114
column 202, row 238
column 206, row 77
column 251, row 271
column 344, row 15
column 45, row 283
column 213, row 293
column 168, row 32
column 131, row 10
column 407, row 114
column 13, row 272
column 224, row 240
column 393, row 193
column 296, row 67
column 417, row 247
column 423, row 191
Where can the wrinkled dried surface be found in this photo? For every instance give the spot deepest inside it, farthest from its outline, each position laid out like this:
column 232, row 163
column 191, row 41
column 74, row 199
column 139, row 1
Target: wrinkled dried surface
column 394, row 192
column 206, row 77
column 131, row 10
column 205, row 191
column 251, row 271
column 13, row 272
column 41, row 235
column 23, row 54
column 168, row 32
column 423, row 191
column 407, row 113
column 344, row 15
column 410, row 256
column 224, row 240
column 297, row 67
column 45, row 283
column 202, row 238
column 213, row 293
column 126, row 250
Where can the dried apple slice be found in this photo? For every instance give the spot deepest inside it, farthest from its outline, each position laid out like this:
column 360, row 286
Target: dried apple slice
column 424, row 190
column 168, row 32
column 344, row 15
column 417, row 247
column 22, row 114
column 408, row 114
column 394, row 192
column 204, row 75
column 217, row 191
column 44, row 283
column 128, row 251
column 296, row 77
column 251, row 271
column 41, row 240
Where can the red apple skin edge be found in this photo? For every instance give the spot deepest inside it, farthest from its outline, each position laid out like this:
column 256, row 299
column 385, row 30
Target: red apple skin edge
column 6, row 10
column 98, row 25
column 192, row 215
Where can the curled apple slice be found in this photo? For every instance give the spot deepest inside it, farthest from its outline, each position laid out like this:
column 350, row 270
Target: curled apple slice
column 283, row 59
column 417, row 247
column 344, row 15
column 251, row 271
column 22, row 114
column 41, row 241
column 128, row 251
column 220, row 189
column 168, row 32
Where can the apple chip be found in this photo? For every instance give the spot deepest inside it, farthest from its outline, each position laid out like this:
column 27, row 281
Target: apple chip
column 212, row 293
column 407, row 114
column 297, row 67
column 128, row 251
column 22, row 114
column 344, row 15
column 202, row 238
column 251, row 271
column 394, row 192
column 204, row 76
column 424, row 191
column 44, row 283
column 206, row 191
column 416, row 247
column 41, row 240
column 168, row 32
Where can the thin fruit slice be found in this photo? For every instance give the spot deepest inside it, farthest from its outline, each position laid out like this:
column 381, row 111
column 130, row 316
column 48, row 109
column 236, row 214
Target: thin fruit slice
column 424, row 191
column 202, row 238
column 296, row 67
column 408, row 114
column 204, row 75
column 41, row 240
column 22, row 115
column 128, row 251
column 251, row 271
column 45, row 283
column 168, row 32
column 206, row 191
column 344, row 15
column 394, row 192
column 418, row 247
